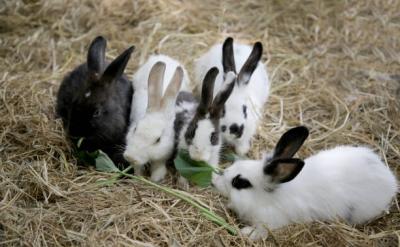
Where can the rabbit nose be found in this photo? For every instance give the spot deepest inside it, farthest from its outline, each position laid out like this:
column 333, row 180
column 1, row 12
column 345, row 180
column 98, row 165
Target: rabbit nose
column 236, row 130
column 129, row 158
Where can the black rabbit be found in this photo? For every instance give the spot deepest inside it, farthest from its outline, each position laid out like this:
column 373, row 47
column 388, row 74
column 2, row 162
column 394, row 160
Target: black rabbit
column 94, row 102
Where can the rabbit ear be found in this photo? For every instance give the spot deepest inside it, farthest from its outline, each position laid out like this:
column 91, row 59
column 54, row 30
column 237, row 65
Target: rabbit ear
column 290, row 142
column 250, row 65
column 223, row 95
column 207, row 91
column 173, row 88
column 228, row 59
column 117, row 67
column 283, row 170
column 96, row 57
column 155, row 85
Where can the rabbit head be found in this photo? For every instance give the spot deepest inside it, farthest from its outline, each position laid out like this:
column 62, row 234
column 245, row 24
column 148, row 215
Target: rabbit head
column 152, row 137
column 203, row 132
column 268, row 173
column 94, row 99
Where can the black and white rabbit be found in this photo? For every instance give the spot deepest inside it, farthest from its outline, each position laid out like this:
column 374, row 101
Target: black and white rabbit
column 346, row 182
column 197, row 125
column 243, row 110
column 94, row 102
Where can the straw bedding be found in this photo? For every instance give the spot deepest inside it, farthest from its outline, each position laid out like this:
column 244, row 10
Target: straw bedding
column 334, row 66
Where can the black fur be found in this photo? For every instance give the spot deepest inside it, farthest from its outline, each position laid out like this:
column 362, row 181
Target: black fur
column 273, row 169
column 250, row 65
column 241, row 183
column 223, row 128
column 290, row 142
column 228, row 59
column 214, row 138
column 244, row 108
column 236, row 130
column 102, row 118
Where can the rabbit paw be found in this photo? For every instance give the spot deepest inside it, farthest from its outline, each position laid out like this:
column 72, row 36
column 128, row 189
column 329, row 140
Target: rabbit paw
column 158, row 172
column 183, row 183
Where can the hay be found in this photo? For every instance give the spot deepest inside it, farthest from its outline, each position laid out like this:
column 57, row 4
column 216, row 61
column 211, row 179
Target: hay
column 334, row 66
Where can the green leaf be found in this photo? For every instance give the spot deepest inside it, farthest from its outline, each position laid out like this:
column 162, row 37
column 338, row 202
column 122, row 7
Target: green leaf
column 197, row 172
column 104, row 163
column 87, row 157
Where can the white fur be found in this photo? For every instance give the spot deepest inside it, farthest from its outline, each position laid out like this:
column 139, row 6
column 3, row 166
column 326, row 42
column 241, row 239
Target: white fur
column 345, row 182
column 201, row 149
column 146, row 128
column 139, row 83
column 254, row 95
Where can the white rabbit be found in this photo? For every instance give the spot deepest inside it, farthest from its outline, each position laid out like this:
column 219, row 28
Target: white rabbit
column 349, row 183
column 244, row 108
column 150, row 138
column 197, row 124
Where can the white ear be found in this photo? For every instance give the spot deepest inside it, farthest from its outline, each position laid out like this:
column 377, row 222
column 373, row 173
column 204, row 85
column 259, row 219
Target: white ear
column 173, row 88
column 155, row 81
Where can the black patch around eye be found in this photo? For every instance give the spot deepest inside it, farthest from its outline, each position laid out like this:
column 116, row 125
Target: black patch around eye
column 223, row 112
column 241, row 183
column 244, row 111
column 214, row 138
column 223, row 128
column 190, row 132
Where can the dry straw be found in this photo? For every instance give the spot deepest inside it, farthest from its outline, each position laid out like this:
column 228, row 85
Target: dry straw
column 334, row 66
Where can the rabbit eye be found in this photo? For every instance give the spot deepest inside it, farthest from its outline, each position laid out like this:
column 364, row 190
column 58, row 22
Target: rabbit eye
column 214, row 138
column 97, row 113
column 241, row 183
column 158, row 140
column 223, row 128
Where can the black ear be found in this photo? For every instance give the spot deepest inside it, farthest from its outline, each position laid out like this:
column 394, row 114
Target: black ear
column 222, row 96
column 96, row 56
column 228, row 59
column 290, row 142
column 207, row 91
column 117, row 67
column 283, row 170
column 250, row 65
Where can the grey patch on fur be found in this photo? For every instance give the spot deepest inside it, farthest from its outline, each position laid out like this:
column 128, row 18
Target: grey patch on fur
column 185, row 96
column 181, row 119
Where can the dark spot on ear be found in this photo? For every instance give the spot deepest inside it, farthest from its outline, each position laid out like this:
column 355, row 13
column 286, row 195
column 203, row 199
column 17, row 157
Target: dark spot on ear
column 223, row 128
column 214, row 138
column 241, row 183
column 244, row 111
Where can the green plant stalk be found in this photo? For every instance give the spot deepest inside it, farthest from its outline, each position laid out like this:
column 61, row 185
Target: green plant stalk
column 207, row 213
column 115, row 178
